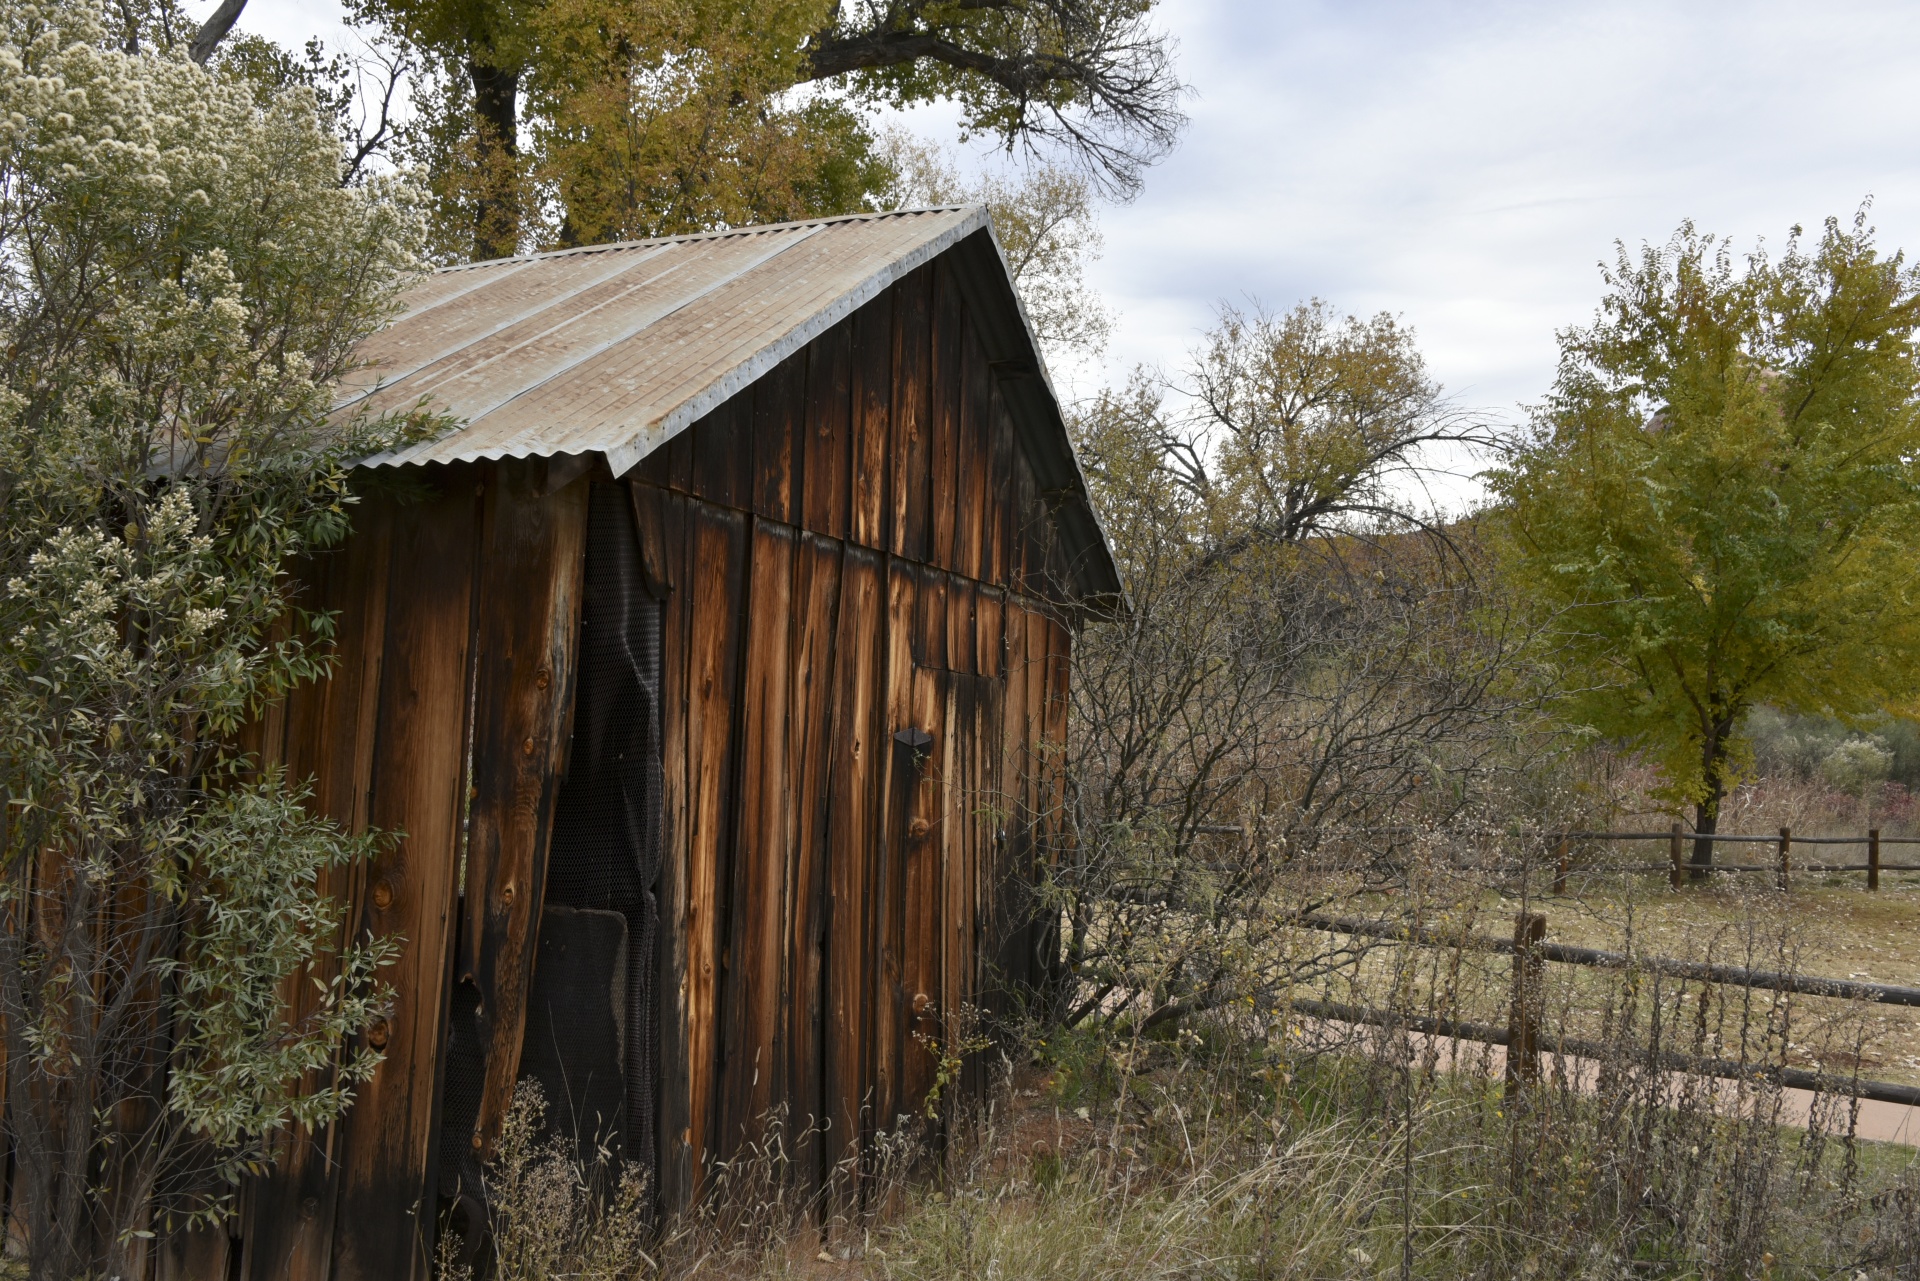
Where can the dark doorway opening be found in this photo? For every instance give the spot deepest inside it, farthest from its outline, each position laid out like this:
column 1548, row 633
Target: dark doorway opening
column 592, row 1038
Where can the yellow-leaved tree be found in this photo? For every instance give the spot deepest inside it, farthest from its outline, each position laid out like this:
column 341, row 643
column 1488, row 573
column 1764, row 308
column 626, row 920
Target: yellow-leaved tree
column 545, row 123
column 1720, row 497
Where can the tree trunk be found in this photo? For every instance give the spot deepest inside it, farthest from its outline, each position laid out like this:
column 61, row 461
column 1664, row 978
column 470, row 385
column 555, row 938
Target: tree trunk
column 214, row 30
column 496, row 109
column 1706, row 814
column 1706, row 821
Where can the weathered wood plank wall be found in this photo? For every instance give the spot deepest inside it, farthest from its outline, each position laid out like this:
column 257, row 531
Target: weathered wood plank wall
column 444, row 723
column 861, row 556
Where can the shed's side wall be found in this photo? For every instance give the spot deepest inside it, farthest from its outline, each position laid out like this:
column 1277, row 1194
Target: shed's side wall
column 457, row 603
column 856, row 552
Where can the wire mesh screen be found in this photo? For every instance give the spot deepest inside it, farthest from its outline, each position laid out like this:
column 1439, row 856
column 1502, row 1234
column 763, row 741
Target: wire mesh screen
column 605, row 854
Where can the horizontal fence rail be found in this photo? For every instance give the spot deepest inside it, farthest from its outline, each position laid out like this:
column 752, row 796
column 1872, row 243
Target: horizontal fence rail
column 1240, row 829
column 1700, row 971
column 1677, row 867
column 1738, row 867
column 1671, row 1060
column 1531, row 951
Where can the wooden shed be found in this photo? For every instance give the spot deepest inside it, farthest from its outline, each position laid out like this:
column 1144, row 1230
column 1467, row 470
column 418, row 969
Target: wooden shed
column 710, row 673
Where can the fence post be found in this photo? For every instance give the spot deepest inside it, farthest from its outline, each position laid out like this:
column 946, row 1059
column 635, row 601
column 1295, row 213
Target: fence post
column 1529, row 1002
column 1873, row 858
column 1786, row 858
column 1560, row 869
column 1673, row 856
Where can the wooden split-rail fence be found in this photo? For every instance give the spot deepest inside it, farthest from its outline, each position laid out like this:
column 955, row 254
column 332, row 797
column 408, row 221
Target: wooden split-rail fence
column 1526, row 1038
column 1678, row 868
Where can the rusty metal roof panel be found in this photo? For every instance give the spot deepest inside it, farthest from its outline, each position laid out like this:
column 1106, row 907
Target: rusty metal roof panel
column 450, row 312
column 697, row 358
column 615, row 350
column 522, row 343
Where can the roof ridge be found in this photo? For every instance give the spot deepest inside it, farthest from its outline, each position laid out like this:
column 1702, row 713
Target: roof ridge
column 756, row 229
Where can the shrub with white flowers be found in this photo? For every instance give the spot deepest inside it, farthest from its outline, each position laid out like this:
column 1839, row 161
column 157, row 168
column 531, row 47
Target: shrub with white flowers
column 182, row 280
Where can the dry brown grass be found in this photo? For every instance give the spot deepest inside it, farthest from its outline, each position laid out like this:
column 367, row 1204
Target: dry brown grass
column 1212, row 1155
column 1839, row 931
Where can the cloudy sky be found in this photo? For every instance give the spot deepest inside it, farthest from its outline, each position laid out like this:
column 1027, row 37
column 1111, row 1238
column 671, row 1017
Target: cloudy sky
column 1465, row 165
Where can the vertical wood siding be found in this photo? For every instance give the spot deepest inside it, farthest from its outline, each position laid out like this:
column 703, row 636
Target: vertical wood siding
column 865, row 559
column 443, row 723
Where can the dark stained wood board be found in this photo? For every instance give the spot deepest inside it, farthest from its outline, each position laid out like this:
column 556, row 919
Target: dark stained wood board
column 715, row 598
column 999, row 564
column 922, row 892
column 974, row 458
column 952, row 889
column 827, row 473
column 930, row 619
column 857, row 752
column 909, row 453
column 532, row 551
column 887, row 882
column 382, row 1226
column 288, row 1230
column 753, row 1061
column 944, row 416
column 779, row 448
column 869, row 500
column 722, row 448
column 810, row 721
column 962, row 636
column 661, row 520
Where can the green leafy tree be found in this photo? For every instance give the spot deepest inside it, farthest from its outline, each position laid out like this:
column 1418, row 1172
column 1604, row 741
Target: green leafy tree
column 565, row 121
column 641, row 119
column 182, row 276
column 1719, row 497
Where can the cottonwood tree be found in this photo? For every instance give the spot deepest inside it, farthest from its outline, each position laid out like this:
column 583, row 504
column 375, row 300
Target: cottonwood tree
column 181, row 277
column 1302, row 424
column 548, row 122
column 1290, row 676
column 627, row 120
column 1720, row 495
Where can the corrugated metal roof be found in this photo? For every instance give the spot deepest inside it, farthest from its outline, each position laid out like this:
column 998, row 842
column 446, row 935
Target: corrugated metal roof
column 615, row 349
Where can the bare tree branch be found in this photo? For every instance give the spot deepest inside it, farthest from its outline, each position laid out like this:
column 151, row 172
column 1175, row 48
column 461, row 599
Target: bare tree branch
column 1085, row 74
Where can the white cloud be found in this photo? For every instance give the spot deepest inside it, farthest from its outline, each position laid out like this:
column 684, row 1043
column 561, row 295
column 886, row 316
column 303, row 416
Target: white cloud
column 1466, row 165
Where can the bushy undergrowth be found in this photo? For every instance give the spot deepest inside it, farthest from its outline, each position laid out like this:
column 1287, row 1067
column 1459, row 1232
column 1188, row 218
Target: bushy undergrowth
column 1316, row 1151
